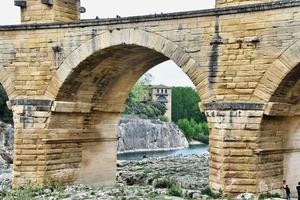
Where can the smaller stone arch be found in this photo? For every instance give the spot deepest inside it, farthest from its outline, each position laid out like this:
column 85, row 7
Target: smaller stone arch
column 106, row 39
column 281, row 67
column 7, row 56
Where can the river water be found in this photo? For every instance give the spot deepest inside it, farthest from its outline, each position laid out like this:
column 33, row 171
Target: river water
column 195, row 149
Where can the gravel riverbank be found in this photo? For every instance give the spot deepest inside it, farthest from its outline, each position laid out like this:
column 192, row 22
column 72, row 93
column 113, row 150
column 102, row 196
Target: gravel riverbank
column 171, row 178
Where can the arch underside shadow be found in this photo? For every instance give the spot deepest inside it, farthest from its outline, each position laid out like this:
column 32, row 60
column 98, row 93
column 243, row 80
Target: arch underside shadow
column 280, row 136
column 108, row 76
column 283, row 68
column 6, row 80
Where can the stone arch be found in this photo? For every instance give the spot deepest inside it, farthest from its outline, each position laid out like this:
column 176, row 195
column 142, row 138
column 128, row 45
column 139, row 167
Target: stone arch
column 107, row 39
column 6, row 80
column 280, row 69
column 90, row 88
column 280, row 90
column 7, row 56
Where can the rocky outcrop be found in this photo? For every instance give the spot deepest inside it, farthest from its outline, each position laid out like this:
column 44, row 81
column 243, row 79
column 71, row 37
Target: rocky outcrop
column 6, row 151
column 149, row 135
column 6, row 143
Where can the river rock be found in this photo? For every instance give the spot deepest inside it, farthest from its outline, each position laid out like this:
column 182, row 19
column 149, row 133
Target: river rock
column 143, row 174
column 6, row 143
column 245, row 196
column 149, row 135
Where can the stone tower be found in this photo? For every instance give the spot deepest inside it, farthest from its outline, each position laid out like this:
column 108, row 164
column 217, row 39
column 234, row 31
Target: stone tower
column 43, row 11
column 163, row 94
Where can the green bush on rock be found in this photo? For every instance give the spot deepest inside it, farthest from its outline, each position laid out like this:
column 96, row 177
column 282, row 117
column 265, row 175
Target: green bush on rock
column 268, row 195
column 215, row 195
column 193, row 130
column 175, row 190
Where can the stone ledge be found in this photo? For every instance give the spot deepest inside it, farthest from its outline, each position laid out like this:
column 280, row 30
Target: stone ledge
column 71, row 107
column 275, row 151
column 31, row 102
column 78, row 140
column 233, row 106
column 169, row 16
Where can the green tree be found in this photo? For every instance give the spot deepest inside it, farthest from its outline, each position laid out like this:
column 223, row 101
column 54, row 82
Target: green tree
column 5, row 113
column 185, row 104
column 141, row 88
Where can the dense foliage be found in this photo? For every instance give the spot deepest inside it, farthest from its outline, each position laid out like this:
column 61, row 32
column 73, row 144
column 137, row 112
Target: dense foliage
column 185, row 104
column 187, row 115
column 143, row 109
column 193, row 130
column 5, row 113
column 141, row 88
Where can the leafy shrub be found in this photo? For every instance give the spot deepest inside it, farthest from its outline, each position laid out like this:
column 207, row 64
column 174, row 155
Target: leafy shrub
column 268, row 195
column 163, row 184
column 207, row 191
column 164, row 119
column 145, row 109
column 175, row 190
column 193, row 130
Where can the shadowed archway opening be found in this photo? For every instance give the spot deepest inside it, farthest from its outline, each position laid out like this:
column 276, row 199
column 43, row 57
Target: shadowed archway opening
column 102, row 83
column 6, row 131
column 280, row 133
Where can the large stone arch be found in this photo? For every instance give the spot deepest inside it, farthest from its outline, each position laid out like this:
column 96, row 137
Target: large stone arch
column 280, row 68
column 137, row 37
column 89, row 90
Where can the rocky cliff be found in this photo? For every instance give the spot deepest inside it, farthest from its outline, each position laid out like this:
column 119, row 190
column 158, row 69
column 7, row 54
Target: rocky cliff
column 149, row 135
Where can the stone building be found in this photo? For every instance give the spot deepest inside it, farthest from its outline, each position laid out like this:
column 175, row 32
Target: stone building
column 162, row 94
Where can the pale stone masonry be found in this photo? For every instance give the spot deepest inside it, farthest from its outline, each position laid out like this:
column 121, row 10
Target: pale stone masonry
column 67, row 82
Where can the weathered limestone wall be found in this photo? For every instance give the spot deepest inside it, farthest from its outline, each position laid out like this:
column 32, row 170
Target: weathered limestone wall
column 234, row 130
column 269, row 152
column 60, row 11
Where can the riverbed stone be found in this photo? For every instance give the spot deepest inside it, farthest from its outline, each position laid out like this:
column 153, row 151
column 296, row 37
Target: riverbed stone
column 145, row 179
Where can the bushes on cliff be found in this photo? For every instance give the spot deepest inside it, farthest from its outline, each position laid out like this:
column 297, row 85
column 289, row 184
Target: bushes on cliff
column 193, row 130
column 143, row 109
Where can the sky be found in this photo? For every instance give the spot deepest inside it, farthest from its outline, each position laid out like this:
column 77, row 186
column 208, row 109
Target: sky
column 167, row 73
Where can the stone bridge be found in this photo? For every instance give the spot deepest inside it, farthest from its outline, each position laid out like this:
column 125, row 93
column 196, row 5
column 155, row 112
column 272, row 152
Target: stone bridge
column 67, row 80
